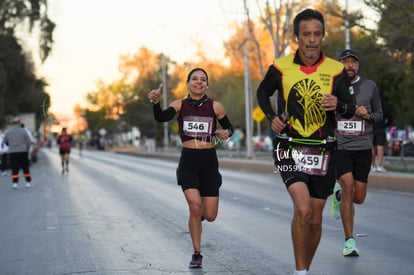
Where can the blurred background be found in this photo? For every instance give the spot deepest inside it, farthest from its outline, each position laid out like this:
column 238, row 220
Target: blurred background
column 88, row 65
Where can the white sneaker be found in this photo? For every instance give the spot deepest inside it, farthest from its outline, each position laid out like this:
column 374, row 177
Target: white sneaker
column 381, row 169
column 4, row 173
column 28, row 185
column 15, row 186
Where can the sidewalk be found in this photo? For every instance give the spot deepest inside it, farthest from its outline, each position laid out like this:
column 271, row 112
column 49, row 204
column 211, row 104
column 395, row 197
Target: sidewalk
column 263, row 163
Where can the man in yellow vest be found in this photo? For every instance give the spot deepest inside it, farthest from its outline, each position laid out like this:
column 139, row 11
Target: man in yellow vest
column 311, row 89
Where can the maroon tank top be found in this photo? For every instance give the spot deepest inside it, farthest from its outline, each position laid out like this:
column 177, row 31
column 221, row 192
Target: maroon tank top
column 197, row 122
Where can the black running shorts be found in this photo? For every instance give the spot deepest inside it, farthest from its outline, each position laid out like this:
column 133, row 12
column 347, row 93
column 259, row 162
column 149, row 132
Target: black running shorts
column 380, row 138
column 199, row 168
column 320, row 187
column 356, row 162
column 64, row 152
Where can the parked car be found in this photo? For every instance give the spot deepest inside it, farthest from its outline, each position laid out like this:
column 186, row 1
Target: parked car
column 262, row 143
column 404, row 148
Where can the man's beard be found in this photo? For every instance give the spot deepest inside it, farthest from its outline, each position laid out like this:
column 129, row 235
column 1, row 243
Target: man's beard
column 311, row 55
column 351, row 74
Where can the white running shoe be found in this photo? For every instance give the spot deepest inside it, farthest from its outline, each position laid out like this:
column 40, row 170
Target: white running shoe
column 15, row 186
column 28, row 185
column 4, row 173
column 381, row 169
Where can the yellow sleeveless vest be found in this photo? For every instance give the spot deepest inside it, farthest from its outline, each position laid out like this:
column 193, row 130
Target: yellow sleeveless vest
column 303, row 89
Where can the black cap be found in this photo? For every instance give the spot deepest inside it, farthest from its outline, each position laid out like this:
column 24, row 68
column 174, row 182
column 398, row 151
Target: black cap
column 346, row 53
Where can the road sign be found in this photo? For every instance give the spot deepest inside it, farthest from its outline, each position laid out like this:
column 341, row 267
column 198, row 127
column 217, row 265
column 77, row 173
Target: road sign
column 258, row 114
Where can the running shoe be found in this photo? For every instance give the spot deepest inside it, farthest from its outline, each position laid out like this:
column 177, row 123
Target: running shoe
column 381, row 169
column 350, row 249
column 301, row 272
column 335, row 206
column 28, row 185
column 196, row 261
column 15, row 186
column 4, row 174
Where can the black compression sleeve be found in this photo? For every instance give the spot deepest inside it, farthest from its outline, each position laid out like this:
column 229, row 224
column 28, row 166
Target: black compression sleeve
column 163, row 116
column 226, row 124
column 345, row 110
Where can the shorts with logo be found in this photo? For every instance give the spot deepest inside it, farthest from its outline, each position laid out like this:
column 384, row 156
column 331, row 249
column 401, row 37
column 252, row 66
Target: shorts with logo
column 356, row 162
column 199, row 169
column 320, row 187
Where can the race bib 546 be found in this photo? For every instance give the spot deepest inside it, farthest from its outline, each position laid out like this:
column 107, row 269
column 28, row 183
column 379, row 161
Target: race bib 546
column 195, row 126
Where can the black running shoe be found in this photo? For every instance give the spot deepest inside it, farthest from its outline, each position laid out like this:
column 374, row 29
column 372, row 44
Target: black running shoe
column 196, row 261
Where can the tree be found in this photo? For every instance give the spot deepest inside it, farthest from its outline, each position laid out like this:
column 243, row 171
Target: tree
column 20, row 88
column 31, row 14
column 395, row 38
column 396, row 23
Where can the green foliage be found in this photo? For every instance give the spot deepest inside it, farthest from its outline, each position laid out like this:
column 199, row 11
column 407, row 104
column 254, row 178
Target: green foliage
column 20, row 89
column 30, row 13
column 391, row 55
column 396, row 23
column 231, row 95
column 96, row 120
column 139, row 113
column 384, row 59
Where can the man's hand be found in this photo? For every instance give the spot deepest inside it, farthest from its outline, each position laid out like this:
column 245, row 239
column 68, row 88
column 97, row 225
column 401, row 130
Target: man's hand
column 277, row 125
column 361, row 111
column 329, row 102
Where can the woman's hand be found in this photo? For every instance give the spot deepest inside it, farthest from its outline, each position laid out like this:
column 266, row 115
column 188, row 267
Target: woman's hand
column 222, row 133
column 154, row 95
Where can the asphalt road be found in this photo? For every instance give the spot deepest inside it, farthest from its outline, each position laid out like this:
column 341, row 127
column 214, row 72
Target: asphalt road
column 121, row 214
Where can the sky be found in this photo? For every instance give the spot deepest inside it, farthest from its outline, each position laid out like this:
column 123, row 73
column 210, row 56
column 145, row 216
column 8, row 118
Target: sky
column 90, row 36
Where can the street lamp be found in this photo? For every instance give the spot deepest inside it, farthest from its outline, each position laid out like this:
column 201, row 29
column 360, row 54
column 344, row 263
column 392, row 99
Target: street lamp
column 164, row 96
column 347, row 36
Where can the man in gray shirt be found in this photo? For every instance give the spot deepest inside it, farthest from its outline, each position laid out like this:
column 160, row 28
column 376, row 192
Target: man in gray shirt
column 19, row 142
column 355, row 142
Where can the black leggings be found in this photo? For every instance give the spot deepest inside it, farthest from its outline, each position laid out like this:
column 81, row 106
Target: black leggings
column 19, row 161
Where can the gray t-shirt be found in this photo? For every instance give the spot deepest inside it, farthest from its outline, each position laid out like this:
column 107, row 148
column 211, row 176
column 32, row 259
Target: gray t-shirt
column 17, row 139
column 356, row 133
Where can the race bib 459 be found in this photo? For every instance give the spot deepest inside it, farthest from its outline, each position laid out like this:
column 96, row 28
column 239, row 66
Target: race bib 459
column 312, row 161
